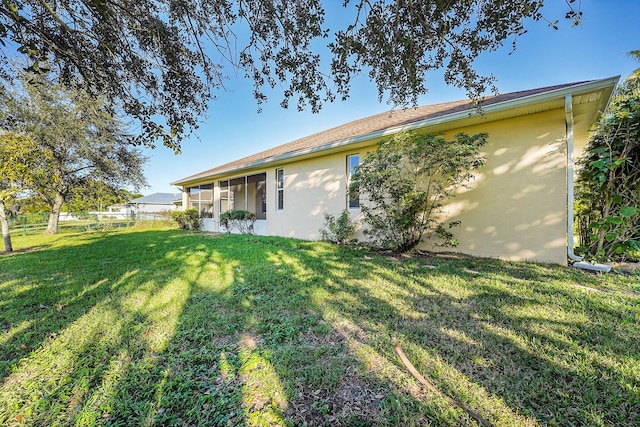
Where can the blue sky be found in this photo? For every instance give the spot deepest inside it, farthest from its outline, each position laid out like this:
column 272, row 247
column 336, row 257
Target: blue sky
column 233, row 128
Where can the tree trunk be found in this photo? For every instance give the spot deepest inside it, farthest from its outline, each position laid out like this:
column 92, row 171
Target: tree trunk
column 5, row 228
column 54, row 215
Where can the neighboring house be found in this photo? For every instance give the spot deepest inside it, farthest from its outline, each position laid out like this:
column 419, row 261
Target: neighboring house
column 153, row 203
column 517, row 207
column 119, row 208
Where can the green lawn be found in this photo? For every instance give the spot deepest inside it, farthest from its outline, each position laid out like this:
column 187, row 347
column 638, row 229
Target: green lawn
column 163, row 327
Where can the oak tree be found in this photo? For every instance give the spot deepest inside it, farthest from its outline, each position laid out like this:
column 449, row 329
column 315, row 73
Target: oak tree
column 72, row 140
column 163, row 60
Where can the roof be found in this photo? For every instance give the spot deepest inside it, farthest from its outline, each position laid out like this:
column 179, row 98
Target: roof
column 156, row 199
column 411, row 118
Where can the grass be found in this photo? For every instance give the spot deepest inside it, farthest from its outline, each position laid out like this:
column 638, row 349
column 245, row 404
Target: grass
column 163, row 327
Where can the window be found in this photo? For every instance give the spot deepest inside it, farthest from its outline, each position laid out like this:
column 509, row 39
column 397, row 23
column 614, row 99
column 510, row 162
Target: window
column 245, row 193
column 353, row 198
column 280, row 189
column 225, row 203
column 201, row 199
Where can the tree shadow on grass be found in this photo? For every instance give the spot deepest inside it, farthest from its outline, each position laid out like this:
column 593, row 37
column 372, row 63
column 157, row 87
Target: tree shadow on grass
column 75, row 315
column 525, row 337
column 166, row 328
column 515, row 343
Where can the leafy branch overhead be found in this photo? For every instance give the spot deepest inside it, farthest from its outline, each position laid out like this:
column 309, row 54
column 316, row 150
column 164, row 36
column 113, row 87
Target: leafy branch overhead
column 164, row 60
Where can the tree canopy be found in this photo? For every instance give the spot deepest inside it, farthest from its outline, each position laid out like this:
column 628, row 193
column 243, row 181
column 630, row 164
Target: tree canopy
column 67, row 140
column 163, row 60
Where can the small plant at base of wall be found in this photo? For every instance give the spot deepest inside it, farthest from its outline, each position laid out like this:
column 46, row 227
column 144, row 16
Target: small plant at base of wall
column 340, row 230
column 241, row 220
column 188, row 219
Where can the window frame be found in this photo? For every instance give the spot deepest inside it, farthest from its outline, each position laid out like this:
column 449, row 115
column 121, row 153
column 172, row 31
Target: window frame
column 352, row 201
column 280, row 189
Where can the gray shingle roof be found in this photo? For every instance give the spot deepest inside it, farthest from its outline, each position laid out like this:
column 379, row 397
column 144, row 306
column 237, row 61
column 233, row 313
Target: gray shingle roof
column 157, row 199
column 372, row 124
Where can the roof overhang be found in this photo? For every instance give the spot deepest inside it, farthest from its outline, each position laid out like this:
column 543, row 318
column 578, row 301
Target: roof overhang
column 589, row 101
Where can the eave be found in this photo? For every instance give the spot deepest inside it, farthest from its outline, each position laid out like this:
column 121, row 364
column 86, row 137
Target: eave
column 589, row 100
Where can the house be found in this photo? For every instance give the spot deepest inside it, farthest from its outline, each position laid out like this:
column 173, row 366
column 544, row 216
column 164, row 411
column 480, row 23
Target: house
column 153, row 203
column 117, row 208
column 517, row 207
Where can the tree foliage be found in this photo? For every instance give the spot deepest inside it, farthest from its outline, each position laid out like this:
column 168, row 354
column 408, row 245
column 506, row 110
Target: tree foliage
column 70, row 140
column 18, row 159
column 167, row 58
column 608, row 185
column 406, row 181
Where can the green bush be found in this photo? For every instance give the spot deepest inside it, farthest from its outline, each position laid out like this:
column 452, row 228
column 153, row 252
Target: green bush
column 241, row 220
column 608, row 186
column 188, row 219
column 407, row 180
column 339, row 230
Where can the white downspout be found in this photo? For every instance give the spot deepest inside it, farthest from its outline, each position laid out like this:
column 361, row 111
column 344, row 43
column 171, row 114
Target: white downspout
column 568, row 112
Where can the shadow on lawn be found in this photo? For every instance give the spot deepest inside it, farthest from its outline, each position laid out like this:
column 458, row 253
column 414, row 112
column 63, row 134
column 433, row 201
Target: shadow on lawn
column 166, row 328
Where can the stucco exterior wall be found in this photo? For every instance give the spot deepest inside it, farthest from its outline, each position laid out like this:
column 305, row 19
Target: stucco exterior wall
column 515, row 208
column 311, row 188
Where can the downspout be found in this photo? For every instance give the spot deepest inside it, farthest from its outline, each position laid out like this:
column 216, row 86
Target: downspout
column 568, row 113
column 578, row 262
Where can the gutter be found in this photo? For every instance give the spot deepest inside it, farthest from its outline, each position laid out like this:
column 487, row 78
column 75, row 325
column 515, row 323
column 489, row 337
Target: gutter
column 578, row 262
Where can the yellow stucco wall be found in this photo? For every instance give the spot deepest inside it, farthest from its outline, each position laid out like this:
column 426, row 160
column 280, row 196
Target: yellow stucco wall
column 516, row 208
column 312, row 188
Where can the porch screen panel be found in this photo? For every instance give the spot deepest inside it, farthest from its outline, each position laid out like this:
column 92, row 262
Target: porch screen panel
column 238, row 193
column 194, row 198
column 257, row 195
column 225, row 203
column 206, row 201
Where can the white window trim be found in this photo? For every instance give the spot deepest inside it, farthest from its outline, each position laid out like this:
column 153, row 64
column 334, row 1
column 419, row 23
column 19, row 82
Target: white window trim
column 347, row 193
column 279, row 189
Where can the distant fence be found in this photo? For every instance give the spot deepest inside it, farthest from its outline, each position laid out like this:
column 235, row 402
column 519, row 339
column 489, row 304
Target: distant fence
column 37, row 222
